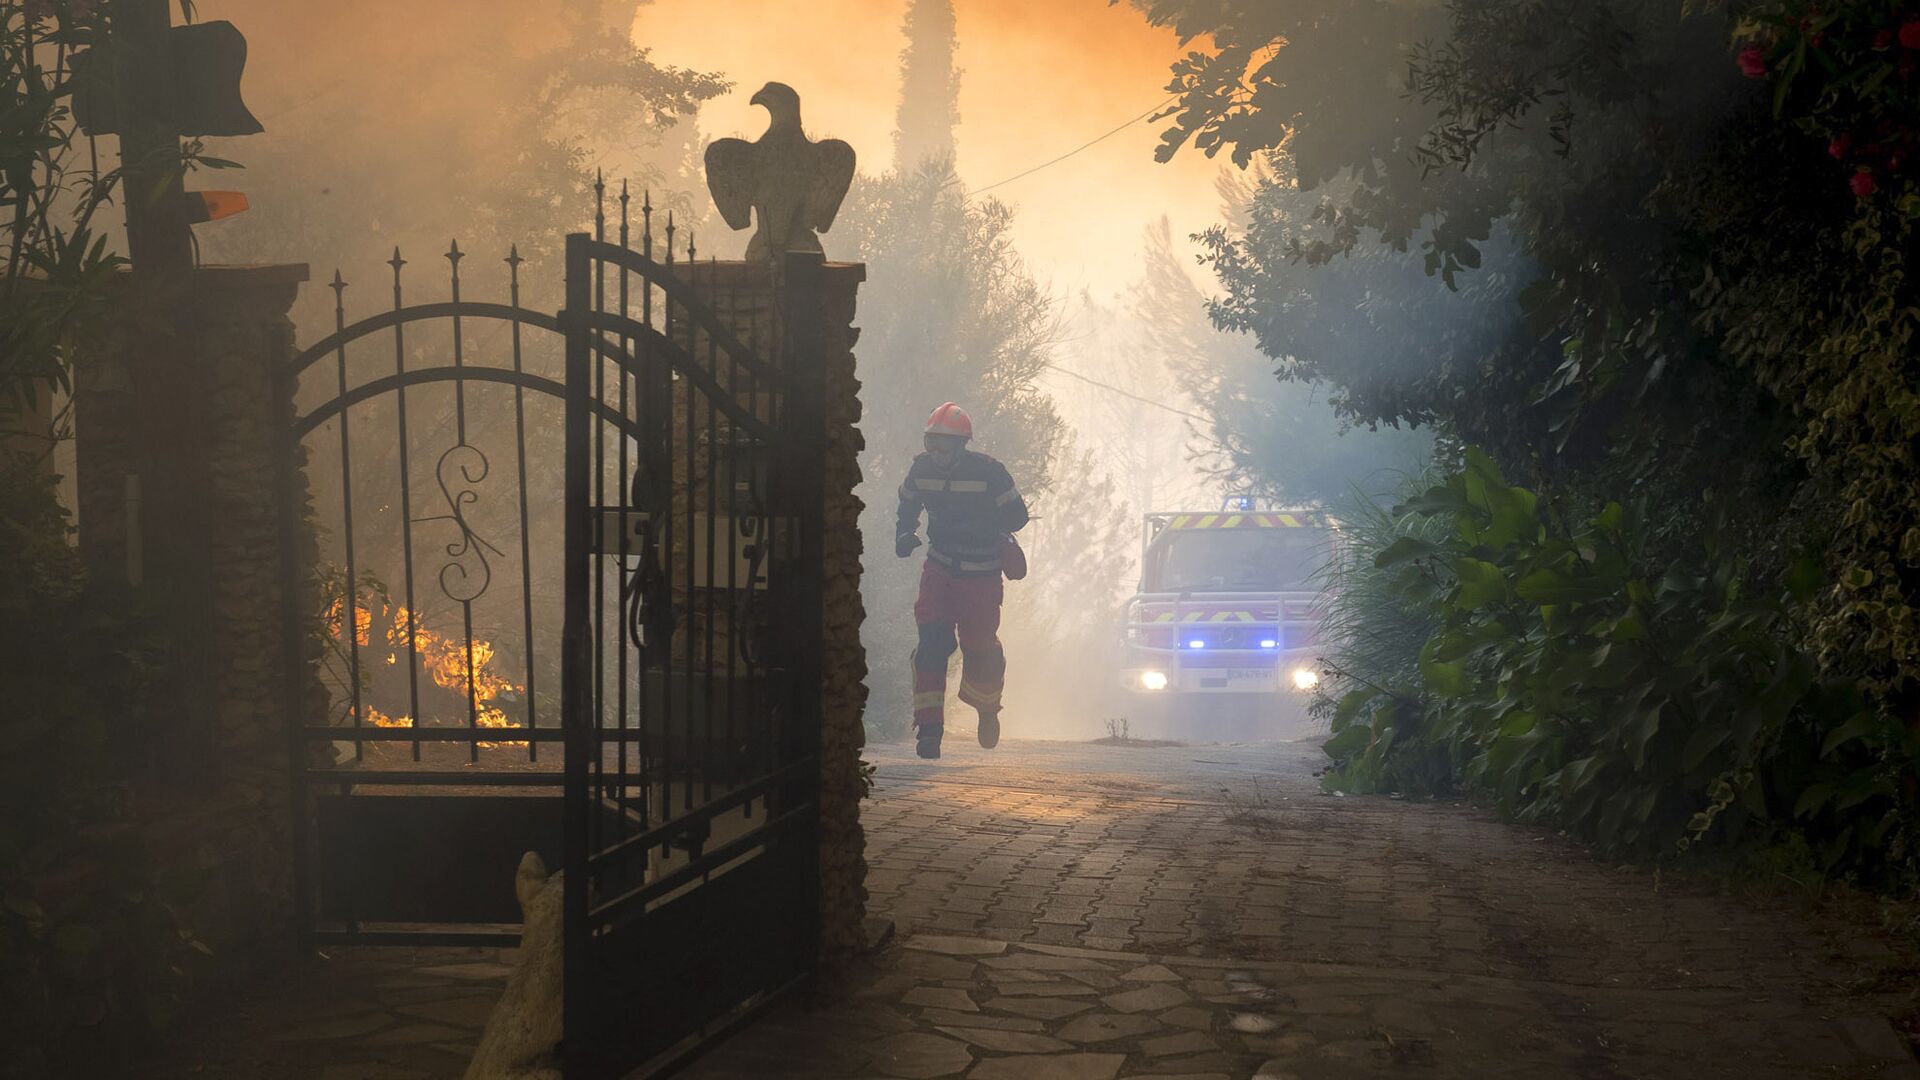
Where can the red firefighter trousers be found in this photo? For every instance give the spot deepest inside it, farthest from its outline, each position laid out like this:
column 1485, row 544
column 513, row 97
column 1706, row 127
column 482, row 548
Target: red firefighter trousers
column 970, row 606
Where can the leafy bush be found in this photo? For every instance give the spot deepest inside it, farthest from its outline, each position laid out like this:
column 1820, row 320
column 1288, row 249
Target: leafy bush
column 1374, row 635
column 1571, row 676
column 1840, row 82
column 1690, row 225
column 94, row 952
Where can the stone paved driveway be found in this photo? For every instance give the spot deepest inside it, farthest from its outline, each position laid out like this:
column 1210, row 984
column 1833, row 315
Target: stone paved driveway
column 1075, row 911
column 1071, row 911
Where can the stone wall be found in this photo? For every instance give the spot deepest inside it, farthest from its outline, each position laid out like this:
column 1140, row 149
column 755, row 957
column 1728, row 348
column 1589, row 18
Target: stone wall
column 843, row 864
column 199, row 412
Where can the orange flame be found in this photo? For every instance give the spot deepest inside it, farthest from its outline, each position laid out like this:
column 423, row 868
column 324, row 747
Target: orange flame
column 362, row 620
column 381, row 719
column 453, row 665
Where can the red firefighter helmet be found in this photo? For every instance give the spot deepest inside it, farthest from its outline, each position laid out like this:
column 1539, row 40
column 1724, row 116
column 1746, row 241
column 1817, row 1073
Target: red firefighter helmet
column 950, row 419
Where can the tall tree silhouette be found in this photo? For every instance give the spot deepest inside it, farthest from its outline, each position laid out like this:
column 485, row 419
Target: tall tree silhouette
column 929, row 87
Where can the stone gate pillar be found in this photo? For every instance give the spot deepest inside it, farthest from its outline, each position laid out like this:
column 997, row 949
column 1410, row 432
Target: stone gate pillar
column 181, row 418
column 843, row 863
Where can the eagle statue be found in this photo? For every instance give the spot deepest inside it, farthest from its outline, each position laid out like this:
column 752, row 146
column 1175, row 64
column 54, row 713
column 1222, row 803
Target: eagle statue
column 792, row 183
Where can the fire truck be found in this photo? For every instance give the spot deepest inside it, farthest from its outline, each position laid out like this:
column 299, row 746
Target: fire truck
column 1226, row 623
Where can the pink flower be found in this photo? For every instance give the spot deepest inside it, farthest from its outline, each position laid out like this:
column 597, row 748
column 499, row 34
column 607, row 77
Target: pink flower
column 1753, row 62
column 1837, row 149
column 1862, row 184
column 1910, row 34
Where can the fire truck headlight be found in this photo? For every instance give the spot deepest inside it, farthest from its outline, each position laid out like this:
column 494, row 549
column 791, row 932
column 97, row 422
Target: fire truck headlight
column 1153, row 680
column 1305, row 678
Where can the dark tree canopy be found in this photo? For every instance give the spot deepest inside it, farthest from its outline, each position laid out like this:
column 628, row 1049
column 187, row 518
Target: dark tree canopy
column 1681, row 231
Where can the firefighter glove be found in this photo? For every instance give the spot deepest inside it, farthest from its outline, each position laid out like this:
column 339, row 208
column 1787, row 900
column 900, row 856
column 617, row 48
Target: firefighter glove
column 904, row 544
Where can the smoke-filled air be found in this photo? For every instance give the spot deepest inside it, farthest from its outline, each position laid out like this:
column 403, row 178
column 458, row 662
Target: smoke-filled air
column 1063, row 303
column 972, row 539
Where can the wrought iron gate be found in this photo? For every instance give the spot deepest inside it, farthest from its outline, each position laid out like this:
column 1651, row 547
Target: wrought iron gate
column 679, row 448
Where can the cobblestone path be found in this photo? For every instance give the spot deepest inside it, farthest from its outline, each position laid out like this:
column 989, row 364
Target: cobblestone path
column 1066, row 911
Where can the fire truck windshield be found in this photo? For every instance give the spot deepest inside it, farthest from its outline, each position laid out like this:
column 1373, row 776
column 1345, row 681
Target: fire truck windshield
column 1235, row 560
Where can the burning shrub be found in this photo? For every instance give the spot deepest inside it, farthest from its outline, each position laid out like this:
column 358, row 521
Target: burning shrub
column 464, row 669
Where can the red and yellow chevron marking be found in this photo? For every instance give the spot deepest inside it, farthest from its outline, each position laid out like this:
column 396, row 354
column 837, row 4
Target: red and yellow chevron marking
column 1245, row 521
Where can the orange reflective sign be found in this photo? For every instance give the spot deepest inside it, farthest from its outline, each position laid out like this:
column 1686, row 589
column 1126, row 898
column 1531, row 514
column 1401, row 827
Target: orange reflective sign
column 215, row 205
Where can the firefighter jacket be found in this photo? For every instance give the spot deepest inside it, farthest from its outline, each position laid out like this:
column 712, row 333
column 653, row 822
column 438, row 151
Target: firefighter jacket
column 971, row 508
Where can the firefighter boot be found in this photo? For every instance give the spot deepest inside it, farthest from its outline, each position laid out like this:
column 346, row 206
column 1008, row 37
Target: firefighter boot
column 990, row 728
column 926, row 739
column 929, row 705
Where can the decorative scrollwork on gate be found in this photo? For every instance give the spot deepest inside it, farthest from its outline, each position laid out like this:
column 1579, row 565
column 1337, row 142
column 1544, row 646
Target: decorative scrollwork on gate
column 466, row 577
column 645, row 589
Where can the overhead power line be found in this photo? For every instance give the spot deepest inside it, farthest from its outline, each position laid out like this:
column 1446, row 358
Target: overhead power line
column 1096, row 140
column 1090, row 143
column 1128, row 394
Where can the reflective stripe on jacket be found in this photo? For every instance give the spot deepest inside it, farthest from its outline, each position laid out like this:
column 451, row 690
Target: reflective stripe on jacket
column 971, row 509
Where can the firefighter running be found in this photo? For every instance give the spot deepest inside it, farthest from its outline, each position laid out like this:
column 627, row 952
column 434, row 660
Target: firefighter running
column 973, row 510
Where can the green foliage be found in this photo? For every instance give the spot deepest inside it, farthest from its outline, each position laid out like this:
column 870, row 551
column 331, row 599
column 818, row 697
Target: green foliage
column 95, row 953
column 346, row 680
column 1552, row 230
column 56, row 267
column 1570, row 676
column 1374, row 637
column 1707, row 213
column 1841, row 357
column 1844, row 73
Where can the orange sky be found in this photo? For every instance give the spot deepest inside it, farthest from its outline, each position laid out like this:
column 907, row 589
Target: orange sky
column 1039, row 77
